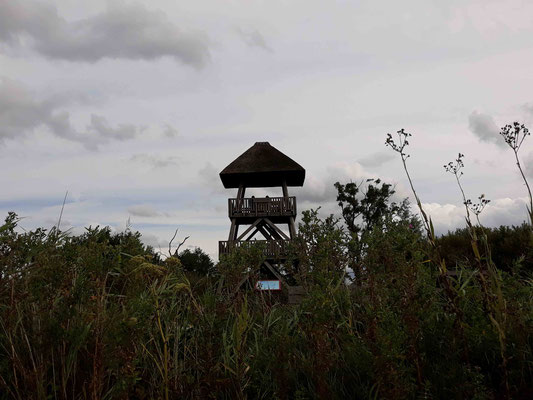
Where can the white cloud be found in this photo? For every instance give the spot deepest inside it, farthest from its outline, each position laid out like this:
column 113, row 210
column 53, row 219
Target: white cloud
column 504, row 211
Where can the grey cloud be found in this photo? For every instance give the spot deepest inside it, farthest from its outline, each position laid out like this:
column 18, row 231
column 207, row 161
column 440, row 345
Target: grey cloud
column 101, row 127
column 376, row 159
column 21, row 113
column 484, row 127
column 143, row 210
column 209, row 173
column 170, row 131
column 130, row 31
column 155, row 161
column 254, row 38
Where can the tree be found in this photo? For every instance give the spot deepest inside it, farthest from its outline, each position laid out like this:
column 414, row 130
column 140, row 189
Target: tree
column 196, row 261
column 367, row 208
column 370, row 207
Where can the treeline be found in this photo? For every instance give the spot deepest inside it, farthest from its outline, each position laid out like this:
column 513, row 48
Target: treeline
column 100, row 315
column 510, row 247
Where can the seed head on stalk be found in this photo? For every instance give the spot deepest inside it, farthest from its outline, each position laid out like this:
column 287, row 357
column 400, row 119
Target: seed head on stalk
column 399, row 147
column 514, row 135
column 455, row 167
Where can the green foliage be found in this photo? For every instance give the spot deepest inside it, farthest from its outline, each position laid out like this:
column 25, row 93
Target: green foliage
column 363, row 210
column 369, row 212
column 197, row 261
column 242, row 262
column 101, row 316
column 319, row 251
column 511, row 247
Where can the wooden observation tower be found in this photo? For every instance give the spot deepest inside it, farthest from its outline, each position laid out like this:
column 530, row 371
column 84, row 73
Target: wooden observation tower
column 263, row 166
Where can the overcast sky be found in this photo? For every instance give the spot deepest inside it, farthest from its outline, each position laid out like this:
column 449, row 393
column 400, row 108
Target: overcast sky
column 135, row 108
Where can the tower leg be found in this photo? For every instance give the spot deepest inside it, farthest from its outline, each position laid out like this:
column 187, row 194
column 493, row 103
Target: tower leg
column 233, row 230
column 292, row 228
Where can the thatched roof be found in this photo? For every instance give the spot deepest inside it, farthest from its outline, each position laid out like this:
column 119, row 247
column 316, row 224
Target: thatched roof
column 262, row 166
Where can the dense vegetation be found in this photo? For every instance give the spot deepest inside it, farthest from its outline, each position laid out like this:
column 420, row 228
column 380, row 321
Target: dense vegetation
column 390, row 312
column 101, row 316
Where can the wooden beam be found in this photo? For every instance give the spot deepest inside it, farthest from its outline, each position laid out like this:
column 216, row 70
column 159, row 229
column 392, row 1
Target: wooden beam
column 274, row 235
column 265, row 233
column 275, row 272
column 243, row 280
column 273, row 226
column 292, row 228
column 249, row 229
column 232, row 229
column 241, row 191
column 284, row 188
column 252, row 235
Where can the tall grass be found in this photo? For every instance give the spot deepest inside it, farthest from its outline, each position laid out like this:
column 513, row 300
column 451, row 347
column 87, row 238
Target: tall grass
column 99, row 316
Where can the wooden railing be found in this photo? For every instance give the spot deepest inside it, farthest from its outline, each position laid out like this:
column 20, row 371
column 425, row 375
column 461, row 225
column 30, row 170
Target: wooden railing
column 272, row 249
column 262, row 207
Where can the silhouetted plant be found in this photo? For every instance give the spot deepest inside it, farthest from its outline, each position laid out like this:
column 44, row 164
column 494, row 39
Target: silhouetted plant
column 399, row 147
column 514, row 135
column 371, row 207
column 455, row 167
column 450, row 290
column 476, row 208
column 488, row 277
